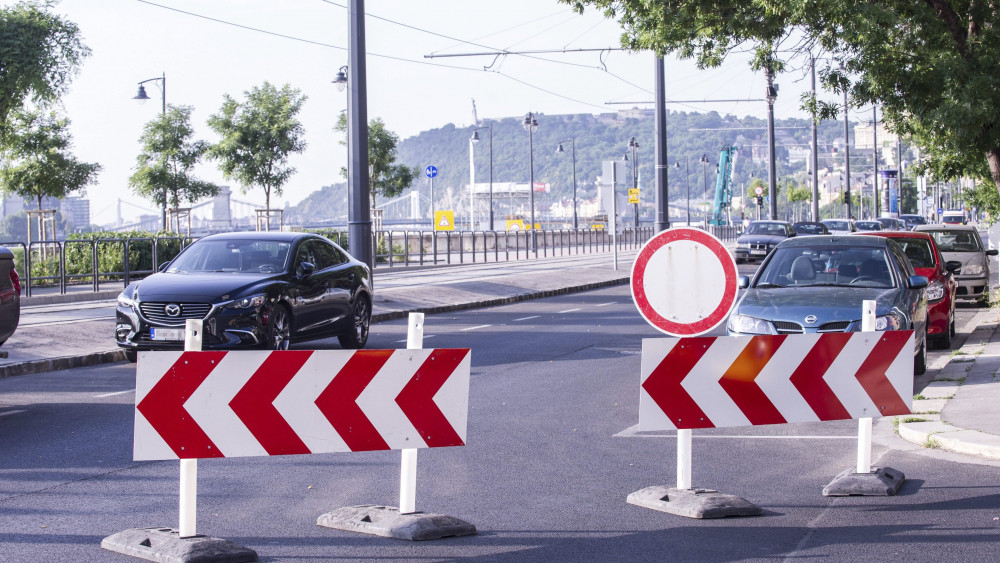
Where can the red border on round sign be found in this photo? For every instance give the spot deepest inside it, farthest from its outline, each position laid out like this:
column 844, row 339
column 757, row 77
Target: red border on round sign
column 718, row 315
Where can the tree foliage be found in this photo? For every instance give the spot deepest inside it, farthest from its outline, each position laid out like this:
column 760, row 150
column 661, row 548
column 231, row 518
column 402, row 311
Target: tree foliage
column 258, row 136
column 386, row 179
column 36, row 158
column 931, row 66
column 165, row 167
column 39, row 54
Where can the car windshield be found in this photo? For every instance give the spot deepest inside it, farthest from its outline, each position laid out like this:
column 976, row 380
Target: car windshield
column 766, row 229
column 827, row 265
column 837, row 225
column 912, row 220
column 810, row 229
column 868, row 226
column 956, row 241
column 223, row 255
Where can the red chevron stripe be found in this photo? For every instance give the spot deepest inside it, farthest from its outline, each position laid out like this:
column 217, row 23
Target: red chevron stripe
column 338, row 402
column 664, row 384
column 871, row 374
column 808, row 377
column 254, row 404
column 416, row 400
column 738, row 381
column 164, row 408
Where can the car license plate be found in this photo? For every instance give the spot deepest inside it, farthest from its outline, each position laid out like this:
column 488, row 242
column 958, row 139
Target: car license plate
column 760, row 252
column 166, row 333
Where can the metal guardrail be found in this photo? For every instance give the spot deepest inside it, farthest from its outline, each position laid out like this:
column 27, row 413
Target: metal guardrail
column 45, row 262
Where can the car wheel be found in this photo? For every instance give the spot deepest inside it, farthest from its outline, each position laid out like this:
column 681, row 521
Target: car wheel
column 278, row 329
column 131, row 355
column 920, row 360
column 362, row 319
column 943, row 341
column 951, row 328
column 740, row 260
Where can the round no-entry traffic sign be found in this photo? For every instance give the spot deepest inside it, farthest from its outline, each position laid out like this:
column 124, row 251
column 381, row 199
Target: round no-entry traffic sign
column 759, row 190
column 684, row 282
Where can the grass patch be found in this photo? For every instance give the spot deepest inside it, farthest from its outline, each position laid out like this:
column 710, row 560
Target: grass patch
column 931, row 443
column 919, row 397
column 959, row 380
column 914, row 419
column 958, row 352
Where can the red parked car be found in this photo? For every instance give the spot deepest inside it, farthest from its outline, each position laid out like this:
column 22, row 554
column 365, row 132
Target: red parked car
column 927, row 261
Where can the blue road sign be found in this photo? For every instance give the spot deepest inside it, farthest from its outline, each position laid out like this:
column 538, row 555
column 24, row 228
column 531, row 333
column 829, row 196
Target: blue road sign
column 431, row 171
column 940, row 211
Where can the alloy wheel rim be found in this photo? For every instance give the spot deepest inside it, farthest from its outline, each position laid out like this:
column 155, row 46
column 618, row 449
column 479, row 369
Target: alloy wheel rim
column 360, row 316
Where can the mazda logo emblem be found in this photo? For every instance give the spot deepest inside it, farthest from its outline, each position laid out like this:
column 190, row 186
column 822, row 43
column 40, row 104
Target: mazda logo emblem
column 809, row 319
column 172, row 310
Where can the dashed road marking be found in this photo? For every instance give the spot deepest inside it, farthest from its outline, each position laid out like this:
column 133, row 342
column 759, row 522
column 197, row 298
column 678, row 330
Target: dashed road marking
column 606, row 304
column 5, row 413
column 116, row 393
column 476, row 327
column 569, row 310
column 426, row 336
column 526, row 318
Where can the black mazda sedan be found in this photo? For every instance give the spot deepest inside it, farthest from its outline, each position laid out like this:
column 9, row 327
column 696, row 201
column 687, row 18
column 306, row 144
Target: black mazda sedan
column 252, row 290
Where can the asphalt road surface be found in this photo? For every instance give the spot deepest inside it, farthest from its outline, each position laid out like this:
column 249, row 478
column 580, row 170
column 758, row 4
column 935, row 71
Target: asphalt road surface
column 551, row 456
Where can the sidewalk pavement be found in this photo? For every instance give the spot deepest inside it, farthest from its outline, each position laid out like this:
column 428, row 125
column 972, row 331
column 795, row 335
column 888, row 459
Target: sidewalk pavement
column 955, row 412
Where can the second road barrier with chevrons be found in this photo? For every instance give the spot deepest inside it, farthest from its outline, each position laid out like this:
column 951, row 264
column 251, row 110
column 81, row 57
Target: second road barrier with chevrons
column 193, row 405
column 713, row 382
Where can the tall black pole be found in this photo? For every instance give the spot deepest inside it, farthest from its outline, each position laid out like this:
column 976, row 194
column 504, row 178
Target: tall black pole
column 815, row 148
column 687, row 188
column 875, row 194
column 847, row 159
column 359, row 221
column 660, row 146
column 573, row 144
column 772, row 181
column 491, row 177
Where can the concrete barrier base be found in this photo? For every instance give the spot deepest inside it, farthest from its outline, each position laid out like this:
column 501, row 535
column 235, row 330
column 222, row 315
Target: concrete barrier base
column 164, row 545
column 386, row 521
column 693, row 503
column 881, row 482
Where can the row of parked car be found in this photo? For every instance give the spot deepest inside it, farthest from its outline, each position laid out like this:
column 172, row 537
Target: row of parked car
column 812, row 281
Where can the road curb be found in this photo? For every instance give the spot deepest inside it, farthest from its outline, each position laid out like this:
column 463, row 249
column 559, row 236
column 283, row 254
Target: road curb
column 65, row 362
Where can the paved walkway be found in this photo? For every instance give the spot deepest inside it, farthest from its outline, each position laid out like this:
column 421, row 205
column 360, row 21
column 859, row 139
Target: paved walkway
column 956, row 411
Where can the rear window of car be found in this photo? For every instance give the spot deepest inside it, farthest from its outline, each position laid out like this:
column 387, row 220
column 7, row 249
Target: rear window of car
column 918, row 252
column 810, row 229
column 956, row 241
column 837, row 225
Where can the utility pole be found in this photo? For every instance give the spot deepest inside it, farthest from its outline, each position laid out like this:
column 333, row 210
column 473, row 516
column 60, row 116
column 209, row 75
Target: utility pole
column 772, row 182
column 815, row 147
column 359, row 221
column 660, row 147
column 847, row 159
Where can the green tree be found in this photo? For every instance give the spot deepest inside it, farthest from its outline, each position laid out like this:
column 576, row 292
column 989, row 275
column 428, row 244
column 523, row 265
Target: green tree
column 39, row 54
column 385, row 178
column 258, row 136
column 36, row 158
column 164, row 168
column 930, row 66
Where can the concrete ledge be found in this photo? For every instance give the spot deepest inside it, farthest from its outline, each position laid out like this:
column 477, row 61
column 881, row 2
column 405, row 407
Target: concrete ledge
column 924, row 406
column 972, row 442
column 940, row 389
column 919, row 432
column 65, row 362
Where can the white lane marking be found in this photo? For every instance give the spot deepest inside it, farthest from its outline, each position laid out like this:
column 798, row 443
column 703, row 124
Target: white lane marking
column 526, row 318
column 633, row 432
column 426, row 336
column 606, row 304
column 568, row 311
column 476, row 327
column 5, row 413
column 106, row 395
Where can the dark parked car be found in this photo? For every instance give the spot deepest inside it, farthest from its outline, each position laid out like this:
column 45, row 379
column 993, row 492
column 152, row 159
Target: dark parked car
column 810, row 228
column 892, row 224
column 759, row 238
column 840, row 226
column 913, row 220
column 818, row 284
column 868, row 226
column 963, row 243
column 927, row 261
column 10, row 295
column 252, row 290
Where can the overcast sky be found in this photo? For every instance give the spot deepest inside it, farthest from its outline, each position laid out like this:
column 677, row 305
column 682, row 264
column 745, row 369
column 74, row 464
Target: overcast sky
column 303, row 43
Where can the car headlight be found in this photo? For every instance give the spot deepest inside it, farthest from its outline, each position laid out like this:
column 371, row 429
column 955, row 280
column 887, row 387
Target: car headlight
column 126, row 301
column 935, row 291
column 888, row 322
column 973, row 270
column 249, row 302
column 749, row 325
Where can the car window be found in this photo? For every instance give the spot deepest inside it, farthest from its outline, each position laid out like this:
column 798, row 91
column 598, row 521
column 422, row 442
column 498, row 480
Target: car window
column 918, row 252
column 837, row 225
column 956, row 241
column 779, row 229
column 837, row 265
column 223, row 255
column 326, row 256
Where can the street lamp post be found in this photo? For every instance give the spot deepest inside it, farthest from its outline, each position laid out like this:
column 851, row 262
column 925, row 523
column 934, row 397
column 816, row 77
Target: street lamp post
column 142, row 97
column 632, row 144
column 687, row 188
column 704, row 172
column 530, row 125
column 560, row 150
column 475, row 139
column 772, row 181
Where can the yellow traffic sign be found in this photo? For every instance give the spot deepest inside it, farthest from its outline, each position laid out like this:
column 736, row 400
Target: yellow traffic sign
column 633, row 195
column 515, row 225
column 444, row 220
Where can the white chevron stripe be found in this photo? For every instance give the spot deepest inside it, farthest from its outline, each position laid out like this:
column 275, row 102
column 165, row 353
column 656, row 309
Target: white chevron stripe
column 297, row 401
column 651, row 417
column 840, row 376
column 378, row 400
column 209, row 404
column 453, row 397
column 703, row 383
column 900, row 372
column 775, row 379
column 150, row 368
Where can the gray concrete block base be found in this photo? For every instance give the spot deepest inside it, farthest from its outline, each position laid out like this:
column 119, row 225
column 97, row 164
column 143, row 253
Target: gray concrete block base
column 386, row 521
column 882, row 481
column 693, row 503
column 165, row 546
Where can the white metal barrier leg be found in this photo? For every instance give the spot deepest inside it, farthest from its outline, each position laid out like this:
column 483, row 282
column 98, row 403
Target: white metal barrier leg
column 684, row 459
column 189, row 499
column 408, row 472
column 865, row 424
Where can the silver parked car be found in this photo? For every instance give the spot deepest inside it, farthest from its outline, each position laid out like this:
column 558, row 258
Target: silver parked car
column 963, row 243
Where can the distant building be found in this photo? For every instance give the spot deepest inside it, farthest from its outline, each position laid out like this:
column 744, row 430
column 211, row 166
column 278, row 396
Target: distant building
column 77, row 210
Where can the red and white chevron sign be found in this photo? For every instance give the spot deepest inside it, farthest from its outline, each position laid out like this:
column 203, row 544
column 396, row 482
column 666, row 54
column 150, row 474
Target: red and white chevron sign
column 248, row 403
column 711, row 382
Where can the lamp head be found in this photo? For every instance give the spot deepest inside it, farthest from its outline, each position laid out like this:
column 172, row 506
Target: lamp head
column 560, row 149
column 341, row 79
column 141, row 96
column 475, row 137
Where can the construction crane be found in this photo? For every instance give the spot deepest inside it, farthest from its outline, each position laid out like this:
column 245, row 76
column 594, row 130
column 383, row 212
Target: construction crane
column 723, row 187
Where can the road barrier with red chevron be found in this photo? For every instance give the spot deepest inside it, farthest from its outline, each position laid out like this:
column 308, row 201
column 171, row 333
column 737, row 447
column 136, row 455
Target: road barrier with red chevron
column 710, row 382
column 192, row 405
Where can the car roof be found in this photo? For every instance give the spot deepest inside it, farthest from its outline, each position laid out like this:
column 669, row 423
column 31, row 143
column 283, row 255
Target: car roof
column 768, row 221
column 845, row 240
column 942, row 227
column 895, row 234
column 259, row 235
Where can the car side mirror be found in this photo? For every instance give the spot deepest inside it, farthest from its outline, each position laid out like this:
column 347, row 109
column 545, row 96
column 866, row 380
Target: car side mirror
column 304, row 270
column 918, row 282
column 992, row 252
column 743, row 282
column 163, row 266
column 953, row 266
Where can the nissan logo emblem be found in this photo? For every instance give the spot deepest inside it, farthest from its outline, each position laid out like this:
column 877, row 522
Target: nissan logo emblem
column 172, row 310
column 809, row 319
